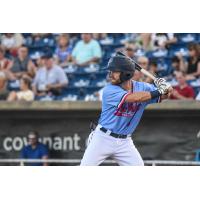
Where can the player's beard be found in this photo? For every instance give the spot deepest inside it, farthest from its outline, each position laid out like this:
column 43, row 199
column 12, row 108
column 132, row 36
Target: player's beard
column 113, row 80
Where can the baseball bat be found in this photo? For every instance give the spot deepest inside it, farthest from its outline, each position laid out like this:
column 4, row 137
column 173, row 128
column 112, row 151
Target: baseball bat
column 138, row 67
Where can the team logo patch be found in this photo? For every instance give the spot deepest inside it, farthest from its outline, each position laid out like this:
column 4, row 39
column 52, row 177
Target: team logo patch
column 127, row 109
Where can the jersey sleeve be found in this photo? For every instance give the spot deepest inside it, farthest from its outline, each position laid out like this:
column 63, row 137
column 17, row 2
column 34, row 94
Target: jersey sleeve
column 114, row 95
column 150, row 87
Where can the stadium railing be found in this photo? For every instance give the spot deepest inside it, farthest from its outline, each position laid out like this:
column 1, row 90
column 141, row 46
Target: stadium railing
column 22, row 162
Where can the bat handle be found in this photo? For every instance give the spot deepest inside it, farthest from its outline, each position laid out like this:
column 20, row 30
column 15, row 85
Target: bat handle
column 145, row 72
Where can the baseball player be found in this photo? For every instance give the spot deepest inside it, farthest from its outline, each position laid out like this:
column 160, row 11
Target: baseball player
column 123, row 103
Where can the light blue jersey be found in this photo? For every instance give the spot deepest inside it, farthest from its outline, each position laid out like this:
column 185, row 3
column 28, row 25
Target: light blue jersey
column 119, row 116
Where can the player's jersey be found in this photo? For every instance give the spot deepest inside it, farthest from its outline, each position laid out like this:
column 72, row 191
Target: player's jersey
column 119, row 116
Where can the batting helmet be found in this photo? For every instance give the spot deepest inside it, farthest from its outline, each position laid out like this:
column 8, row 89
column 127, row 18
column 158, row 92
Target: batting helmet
column 120, row 63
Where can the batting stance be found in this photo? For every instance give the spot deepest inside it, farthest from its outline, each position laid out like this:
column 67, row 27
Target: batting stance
column 123, row 103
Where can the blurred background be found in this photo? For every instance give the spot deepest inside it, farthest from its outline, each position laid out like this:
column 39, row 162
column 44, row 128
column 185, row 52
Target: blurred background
column 51, row 89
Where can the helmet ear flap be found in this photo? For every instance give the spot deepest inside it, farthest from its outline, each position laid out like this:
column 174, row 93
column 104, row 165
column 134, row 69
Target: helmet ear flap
column 125, row 76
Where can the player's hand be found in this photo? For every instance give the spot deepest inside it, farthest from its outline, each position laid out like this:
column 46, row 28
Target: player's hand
column 165, row 88
column 159, row 81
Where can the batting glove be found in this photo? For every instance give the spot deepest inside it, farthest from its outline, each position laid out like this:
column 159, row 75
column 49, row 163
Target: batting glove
column 159, row 81
column 164, row 87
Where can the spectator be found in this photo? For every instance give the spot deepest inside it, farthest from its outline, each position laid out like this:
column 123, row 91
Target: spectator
column 163, row 40
column 182, row 90
column 130, row 50
column 176, row 65
column 22, row 65
column 4, row 62
column 50, row 79
column 145, row 40
column 34, row 150
column 192, row 65
column 86, row 51
column 153, row 69
column 3, row 86
column 11, row 42
column 139, row 76
column 39, row 62
column 63, row 51
column 25, row 93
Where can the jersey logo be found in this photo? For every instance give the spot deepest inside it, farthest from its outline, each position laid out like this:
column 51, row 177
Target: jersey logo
column 127, row 109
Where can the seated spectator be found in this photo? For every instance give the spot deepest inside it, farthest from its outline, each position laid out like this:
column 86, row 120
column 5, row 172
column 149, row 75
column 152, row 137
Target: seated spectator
column 25, row 93
column 130, row 50
column 4, row 62
column 50, row 79
column 39, row 62
column 139, row 76
column 176, row 67
column 63, row 51
column 3, row 86
column 163, row 40
column 192, row 65
column 87, row 51
column 11, row 42
column 182, row 90
column 145, row 40
column 34, row 150
column 153, row 69
column 21, row 65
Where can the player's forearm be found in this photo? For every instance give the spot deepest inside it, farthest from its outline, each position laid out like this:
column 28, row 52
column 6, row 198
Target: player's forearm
column 138, row 97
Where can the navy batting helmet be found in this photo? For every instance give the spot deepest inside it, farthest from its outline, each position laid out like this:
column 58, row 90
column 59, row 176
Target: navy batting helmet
column 123, row 64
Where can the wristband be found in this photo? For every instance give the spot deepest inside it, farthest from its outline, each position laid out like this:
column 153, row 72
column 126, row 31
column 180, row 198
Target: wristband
column 155, row 94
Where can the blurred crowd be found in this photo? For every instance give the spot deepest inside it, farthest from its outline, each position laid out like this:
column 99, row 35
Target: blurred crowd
column 66, row 67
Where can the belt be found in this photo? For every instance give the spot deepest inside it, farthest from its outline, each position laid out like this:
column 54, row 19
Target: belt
column 115, row 135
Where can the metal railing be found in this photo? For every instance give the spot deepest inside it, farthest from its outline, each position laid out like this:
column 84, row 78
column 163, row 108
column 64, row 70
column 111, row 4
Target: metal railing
column 106, row 162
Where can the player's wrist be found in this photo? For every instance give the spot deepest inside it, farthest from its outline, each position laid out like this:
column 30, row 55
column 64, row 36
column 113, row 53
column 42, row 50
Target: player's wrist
column 155, row 94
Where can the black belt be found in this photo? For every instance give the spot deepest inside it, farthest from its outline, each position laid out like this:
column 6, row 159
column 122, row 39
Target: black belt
column 115, row 135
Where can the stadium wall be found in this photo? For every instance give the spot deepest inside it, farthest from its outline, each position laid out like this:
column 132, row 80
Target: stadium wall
column 167, row 131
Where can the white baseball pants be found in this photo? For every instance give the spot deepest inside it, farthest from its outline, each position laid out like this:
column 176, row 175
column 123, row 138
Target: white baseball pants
column 101, row 146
